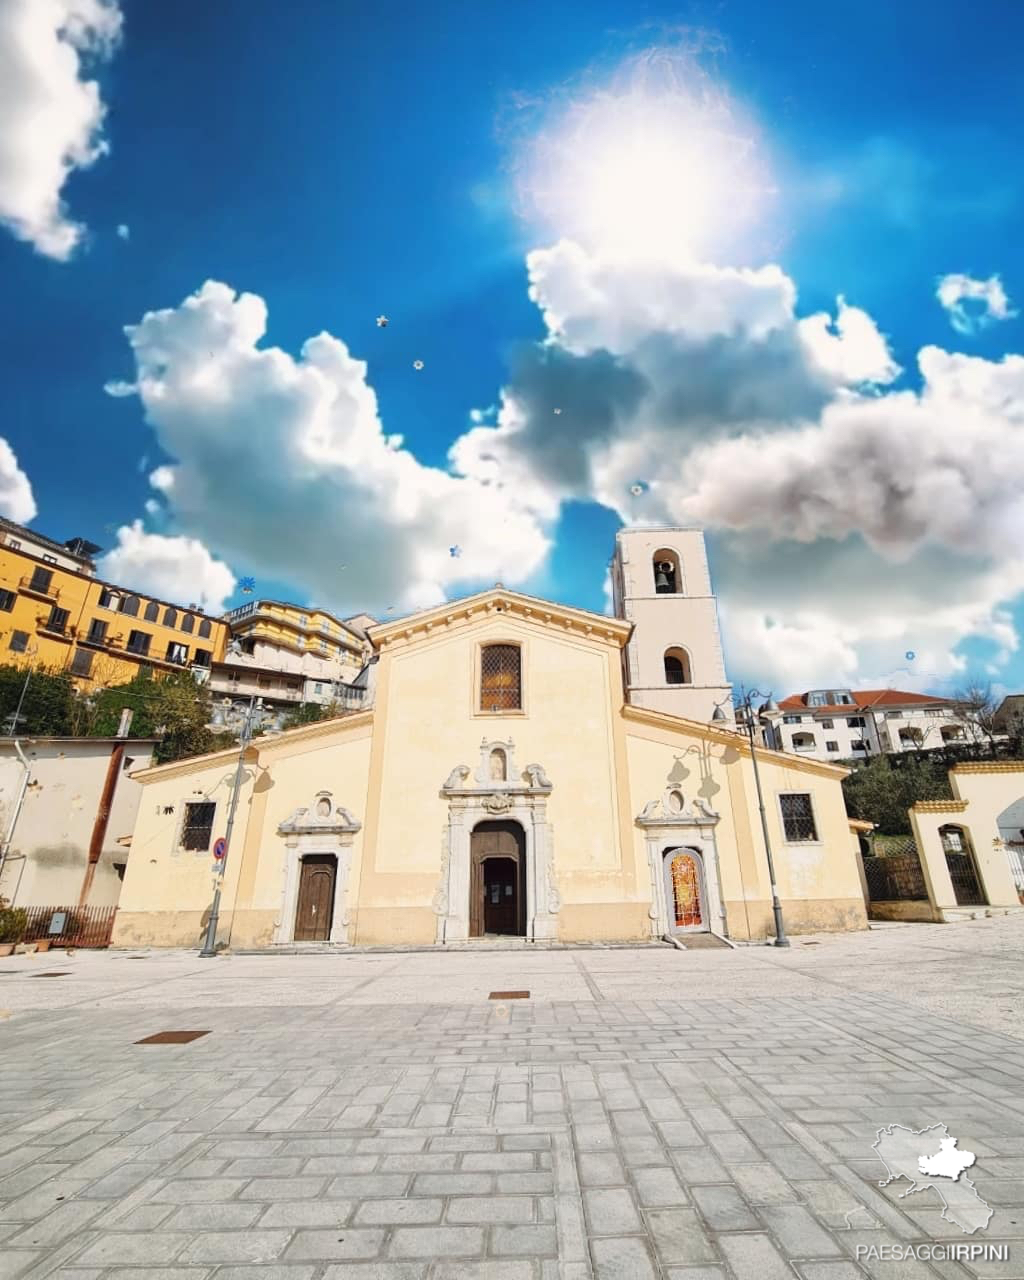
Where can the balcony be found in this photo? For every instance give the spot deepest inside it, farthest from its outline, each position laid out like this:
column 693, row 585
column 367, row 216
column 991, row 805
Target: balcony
column 34, row 585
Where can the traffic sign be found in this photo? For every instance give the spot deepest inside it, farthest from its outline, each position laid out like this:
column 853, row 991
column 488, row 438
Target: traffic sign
column 220, row 848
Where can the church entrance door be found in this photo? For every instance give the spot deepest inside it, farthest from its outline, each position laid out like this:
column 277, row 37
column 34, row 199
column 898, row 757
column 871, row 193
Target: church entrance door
column 684, row 890
column 497, row 898
column 315, row 912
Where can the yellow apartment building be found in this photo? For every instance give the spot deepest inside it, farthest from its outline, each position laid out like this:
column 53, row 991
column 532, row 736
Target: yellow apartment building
column 56, row 614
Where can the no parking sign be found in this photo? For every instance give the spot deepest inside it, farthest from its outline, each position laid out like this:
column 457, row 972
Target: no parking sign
column 220, row 848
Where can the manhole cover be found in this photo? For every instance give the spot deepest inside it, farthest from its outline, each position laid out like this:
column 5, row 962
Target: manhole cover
column 52, row 973
column 509, row 995
column 173, row 1037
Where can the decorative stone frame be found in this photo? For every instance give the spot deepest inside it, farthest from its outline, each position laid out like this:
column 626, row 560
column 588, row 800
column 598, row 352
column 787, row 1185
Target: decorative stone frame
column 474, row 798
column 321, row 828
column 668, row 823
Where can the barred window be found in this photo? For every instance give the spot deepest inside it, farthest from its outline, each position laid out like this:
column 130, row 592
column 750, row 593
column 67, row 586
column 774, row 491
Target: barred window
column 198, row 826
column 798, row 817
column 500, row 678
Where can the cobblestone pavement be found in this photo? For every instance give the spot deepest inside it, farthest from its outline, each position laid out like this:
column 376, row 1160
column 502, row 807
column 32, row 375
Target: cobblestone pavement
column 703, row 1115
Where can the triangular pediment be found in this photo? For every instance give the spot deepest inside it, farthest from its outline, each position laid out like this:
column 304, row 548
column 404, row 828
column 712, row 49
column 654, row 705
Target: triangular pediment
column 496, row 602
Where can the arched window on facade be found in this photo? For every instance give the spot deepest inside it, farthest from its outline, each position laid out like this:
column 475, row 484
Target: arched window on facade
column 677, row 667
column 170, row 617
column 152, row 612
column 131, row 606
column 188, row 622
column 500, row 678
column 205, row 627
column 668, row 578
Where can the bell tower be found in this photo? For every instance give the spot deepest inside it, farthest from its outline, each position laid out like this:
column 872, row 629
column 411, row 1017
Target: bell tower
column 673, row 662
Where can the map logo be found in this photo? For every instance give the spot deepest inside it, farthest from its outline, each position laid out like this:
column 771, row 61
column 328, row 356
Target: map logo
column 931, row 1161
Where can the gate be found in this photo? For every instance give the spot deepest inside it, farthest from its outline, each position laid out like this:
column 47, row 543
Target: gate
column 71, row 926
column 1015, row 857
column 893, row 870
column 960, row 861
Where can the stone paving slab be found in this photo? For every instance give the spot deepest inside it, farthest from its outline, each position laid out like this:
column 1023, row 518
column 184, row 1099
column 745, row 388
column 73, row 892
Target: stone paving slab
column 663, row 1114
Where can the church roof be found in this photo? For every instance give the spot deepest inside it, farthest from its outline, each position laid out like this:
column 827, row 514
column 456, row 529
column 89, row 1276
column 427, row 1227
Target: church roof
column 863, row 699
column 499, row 599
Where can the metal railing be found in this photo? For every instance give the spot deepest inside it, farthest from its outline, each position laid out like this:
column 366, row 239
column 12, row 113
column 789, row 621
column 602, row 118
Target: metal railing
column 1015, row 857
column 71, row 926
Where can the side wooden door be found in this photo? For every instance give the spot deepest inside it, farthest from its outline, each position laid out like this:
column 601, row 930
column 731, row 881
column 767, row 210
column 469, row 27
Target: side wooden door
column 315, row 912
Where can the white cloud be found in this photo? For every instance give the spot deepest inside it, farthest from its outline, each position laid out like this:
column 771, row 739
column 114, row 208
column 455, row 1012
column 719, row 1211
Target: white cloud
column 179, row 569
column 16, row 500
column 281, row 464
column 53, row 118
column 956, row 292
column 117, row 388
column 833, row 509
column 124, row 231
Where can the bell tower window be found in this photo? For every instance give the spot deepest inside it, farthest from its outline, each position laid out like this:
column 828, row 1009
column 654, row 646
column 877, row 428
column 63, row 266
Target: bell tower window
column 668, row 580
column 677, row 667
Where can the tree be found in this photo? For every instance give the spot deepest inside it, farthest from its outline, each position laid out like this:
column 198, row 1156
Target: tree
column 310, row 713
column 173, row 708
column 976, row 706
column 878, row 792
column 48, row 701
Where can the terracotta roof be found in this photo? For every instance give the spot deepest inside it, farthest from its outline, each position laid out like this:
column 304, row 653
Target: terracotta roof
column 863, row 699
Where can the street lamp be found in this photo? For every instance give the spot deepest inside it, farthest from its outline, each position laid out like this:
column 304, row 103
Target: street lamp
column 30, row 653
column 254, row 710
column 769, row 708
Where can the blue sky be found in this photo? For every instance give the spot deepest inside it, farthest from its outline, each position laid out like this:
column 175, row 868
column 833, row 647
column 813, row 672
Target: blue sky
column 340, row 163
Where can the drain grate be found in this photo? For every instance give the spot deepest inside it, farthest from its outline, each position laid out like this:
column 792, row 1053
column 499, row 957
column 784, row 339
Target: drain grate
column 173, row 1037
column 53, row 973
column 509, row 995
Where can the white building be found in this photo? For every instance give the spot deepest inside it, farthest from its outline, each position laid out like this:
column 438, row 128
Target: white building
column 843, row 724
column 66, row 807
column 673, row 660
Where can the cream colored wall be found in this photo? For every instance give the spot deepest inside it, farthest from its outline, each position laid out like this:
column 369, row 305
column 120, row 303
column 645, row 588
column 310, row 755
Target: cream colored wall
column 819, row 884
column 428, row 723
column 982, row 793
column 166, row 889
column 50, row 849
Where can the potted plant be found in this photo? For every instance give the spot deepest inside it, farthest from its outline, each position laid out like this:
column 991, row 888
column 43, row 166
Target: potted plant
column 42, row 944
column 13, row 923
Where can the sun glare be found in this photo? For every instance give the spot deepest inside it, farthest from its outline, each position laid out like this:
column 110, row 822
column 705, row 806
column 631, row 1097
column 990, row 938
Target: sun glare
column 660, row 163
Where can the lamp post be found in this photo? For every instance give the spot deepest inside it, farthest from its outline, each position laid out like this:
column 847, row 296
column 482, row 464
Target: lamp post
column 255, row 706
column 770, row 707
column 30, row 654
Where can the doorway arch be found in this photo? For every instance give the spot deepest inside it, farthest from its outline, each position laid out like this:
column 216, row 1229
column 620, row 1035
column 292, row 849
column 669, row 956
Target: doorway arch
column 685, row 890
column 497, row 883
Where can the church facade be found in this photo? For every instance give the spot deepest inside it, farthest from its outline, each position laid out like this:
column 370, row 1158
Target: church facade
column 522, row 771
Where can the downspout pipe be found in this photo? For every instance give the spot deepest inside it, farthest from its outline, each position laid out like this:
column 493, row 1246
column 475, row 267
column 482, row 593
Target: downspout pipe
column 6, row 849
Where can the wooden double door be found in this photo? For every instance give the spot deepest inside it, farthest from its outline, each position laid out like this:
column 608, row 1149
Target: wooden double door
column 314, row 914
column 497, row 885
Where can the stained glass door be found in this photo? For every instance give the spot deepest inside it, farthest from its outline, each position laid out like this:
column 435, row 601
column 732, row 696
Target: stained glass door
column 685, row 909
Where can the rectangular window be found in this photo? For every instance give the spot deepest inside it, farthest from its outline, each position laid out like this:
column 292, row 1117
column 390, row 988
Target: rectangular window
column 198, row 826
column 13, row 542
column 858, row 745
column 855, row 722
column 500, row 678
column 138, row 642
column 318, row 688
column 109, row 599
column 81, row 663
column 234, row 676
column 828, row 724
column 177, row 653
column 57, row 620
column 97, row 632
column 831, row 746
column 50, row 559
column 202, row 658
column 792, row 719
column 7, row 599
column 41, row 579
column 323, row 645
column 798, row 817
column 19, row 641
